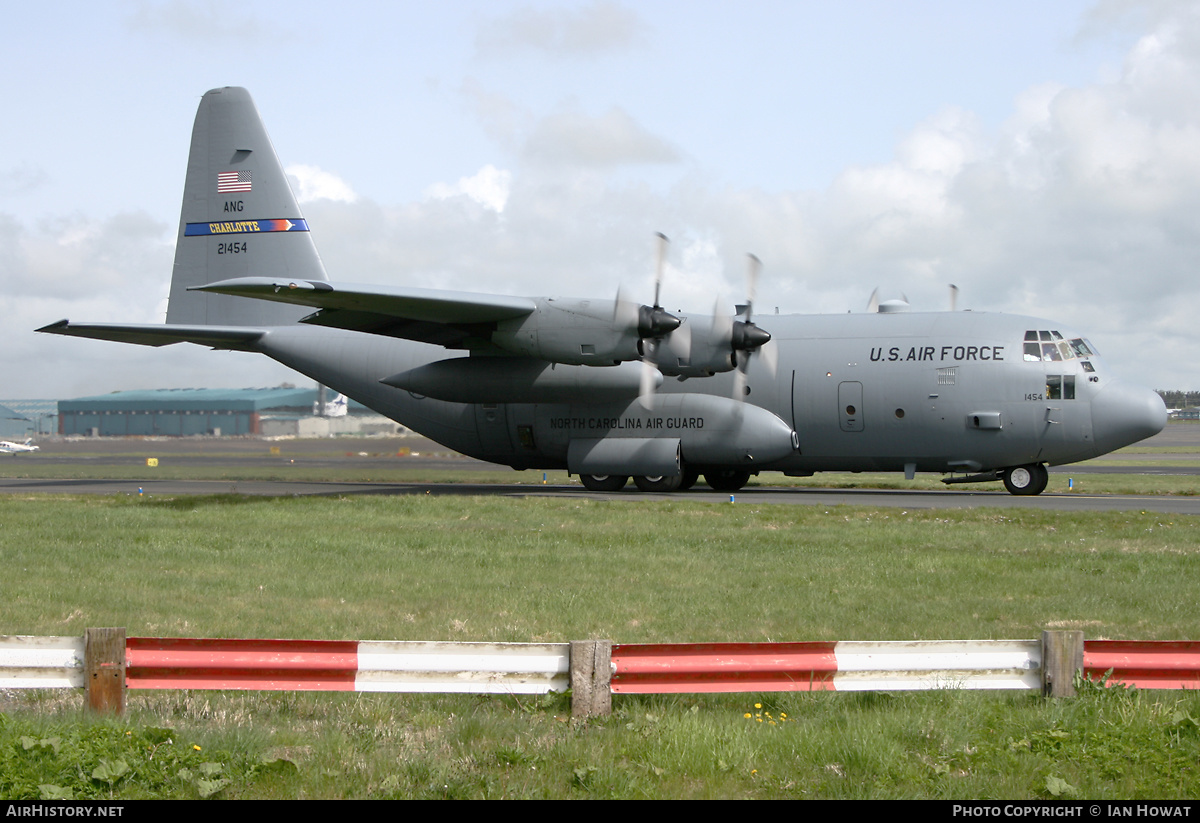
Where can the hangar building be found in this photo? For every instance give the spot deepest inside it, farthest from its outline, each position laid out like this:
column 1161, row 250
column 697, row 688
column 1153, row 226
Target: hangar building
column 180, row 412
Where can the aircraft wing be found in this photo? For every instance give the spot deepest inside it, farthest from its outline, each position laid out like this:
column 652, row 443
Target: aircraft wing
column 445, row 318
column 239, row 338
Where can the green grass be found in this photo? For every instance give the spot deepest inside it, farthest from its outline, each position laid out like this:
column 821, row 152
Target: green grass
column 550, row 569
column 946, row 745
column 429, row 567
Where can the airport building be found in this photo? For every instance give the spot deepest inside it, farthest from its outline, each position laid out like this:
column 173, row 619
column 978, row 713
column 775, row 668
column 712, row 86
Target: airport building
column 20, row 419
column 266, row 412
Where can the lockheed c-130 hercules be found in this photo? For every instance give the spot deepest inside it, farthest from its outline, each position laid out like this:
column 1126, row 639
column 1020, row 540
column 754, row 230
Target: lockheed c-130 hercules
column 608, row 389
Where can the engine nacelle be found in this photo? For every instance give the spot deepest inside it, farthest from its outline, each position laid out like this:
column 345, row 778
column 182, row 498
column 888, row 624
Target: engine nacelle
column 571, row 330
column 521, row 380
column 694, row 352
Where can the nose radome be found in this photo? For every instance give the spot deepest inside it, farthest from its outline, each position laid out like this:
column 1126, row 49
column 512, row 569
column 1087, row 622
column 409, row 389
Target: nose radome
column 1123, row 413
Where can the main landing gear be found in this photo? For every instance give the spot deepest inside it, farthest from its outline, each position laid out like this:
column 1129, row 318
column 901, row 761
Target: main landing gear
column 723, row 480
column 1029, row 479
column 603, row 482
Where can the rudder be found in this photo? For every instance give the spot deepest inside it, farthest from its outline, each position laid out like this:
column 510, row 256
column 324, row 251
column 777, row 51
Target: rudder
column 239, row 219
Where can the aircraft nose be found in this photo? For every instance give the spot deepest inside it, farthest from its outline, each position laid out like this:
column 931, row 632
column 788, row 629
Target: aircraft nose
column 1123, row 413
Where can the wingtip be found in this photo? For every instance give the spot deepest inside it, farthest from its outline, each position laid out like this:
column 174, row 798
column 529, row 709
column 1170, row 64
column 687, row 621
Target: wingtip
column 54, row 327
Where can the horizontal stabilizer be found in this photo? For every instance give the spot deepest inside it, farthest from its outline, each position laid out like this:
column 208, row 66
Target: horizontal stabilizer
column 238, row 338
column 429, row 305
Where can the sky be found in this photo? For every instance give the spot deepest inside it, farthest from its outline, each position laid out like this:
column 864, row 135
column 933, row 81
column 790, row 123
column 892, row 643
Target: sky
column 1043, row 157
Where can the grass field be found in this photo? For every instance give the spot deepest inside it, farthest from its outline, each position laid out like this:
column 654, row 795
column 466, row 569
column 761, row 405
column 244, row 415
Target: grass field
column 457, row 568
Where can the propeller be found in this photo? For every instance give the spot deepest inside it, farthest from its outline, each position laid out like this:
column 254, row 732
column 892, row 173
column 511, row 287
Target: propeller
column 748, row 338
column 654, row 325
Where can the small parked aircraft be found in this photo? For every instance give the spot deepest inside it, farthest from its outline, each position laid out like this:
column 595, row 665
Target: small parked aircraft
column 8, row 447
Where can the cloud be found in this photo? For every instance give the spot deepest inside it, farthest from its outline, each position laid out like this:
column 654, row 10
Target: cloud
column 207, row 23
column 488, row 187
column 613, row 139
column 21, row 179
column 599, row 28
column 311, row 183
column 1084, row 207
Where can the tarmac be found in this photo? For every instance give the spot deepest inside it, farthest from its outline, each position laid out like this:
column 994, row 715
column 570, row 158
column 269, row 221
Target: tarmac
column 417, row 451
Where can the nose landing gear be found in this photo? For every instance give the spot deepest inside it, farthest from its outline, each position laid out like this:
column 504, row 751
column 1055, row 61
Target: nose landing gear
column 1029, row 479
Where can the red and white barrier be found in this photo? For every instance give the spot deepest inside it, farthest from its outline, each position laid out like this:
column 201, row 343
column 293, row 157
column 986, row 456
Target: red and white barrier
column 41, row 662
column 832, row 666
column 1163, row 664
column 537, row 668
column 332, row 665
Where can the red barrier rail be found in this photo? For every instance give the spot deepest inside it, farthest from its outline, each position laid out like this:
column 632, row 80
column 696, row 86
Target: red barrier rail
column 662, row 668
column 1151, row 664
column 185, row 663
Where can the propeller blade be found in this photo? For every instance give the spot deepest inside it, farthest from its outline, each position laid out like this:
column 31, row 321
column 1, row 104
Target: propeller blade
column 721, row 328
column 648, row 383
column 754, row 266
column 770, row 357
column 873, row 301
column 739, row 380
column 681, row 341
column 659, row 266
column 625, row 313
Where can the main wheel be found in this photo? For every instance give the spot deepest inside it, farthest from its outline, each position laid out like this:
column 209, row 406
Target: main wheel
column 690, row 476
column 1030, row 479
column 726, row 480
column 603, row 482
column 661, row 483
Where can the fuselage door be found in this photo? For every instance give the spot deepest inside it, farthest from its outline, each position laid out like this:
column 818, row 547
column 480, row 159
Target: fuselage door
column 491, row 421
column 850, row 395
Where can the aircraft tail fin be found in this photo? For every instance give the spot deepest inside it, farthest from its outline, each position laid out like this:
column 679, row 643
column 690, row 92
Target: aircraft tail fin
column 240, row 218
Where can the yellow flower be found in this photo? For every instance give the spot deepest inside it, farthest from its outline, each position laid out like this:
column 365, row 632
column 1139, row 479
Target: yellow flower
column 746, row 715
column 194, row 746
column 758, row 705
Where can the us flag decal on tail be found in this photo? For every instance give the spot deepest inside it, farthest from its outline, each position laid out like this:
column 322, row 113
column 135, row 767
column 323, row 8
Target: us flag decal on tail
column 231, row 181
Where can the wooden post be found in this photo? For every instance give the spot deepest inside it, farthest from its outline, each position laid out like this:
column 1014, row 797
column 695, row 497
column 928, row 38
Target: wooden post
column 104, row 670
column 591, row 678
column 1062, row 660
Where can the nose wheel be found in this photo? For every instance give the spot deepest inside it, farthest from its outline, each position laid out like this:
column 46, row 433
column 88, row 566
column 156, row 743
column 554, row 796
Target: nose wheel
column 1030, row 479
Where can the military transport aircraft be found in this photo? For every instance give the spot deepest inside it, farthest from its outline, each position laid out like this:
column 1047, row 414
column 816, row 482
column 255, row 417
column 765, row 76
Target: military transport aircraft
column 9, row 447
column 609, row 389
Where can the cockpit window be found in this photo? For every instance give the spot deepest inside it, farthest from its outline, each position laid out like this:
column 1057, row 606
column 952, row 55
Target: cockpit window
column 1049, row 345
